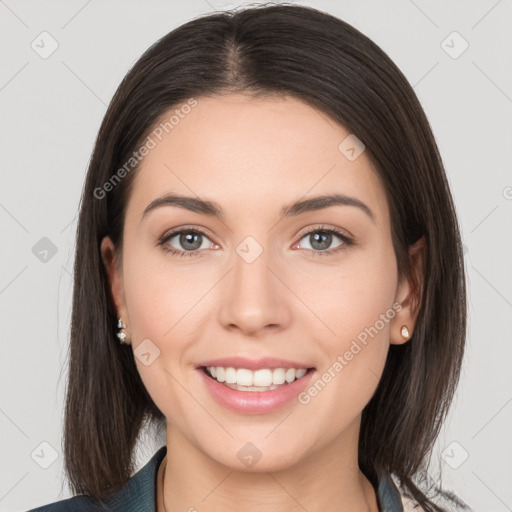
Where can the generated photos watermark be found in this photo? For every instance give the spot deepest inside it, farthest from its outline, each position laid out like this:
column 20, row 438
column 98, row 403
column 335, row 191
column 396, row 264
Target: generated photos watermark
column 344, row 359
column 150, row 142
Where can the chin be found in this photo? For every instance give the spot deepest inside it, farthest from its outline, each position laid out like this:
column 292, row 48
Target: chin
column 248, row 458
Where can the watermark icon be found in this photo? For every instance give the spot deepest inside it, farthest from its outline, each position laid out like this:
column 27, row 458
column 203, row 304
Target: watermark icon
column 44, row 45
column 249, row 249
column 44, row 455
column 44, row 249
column 454, row 45
column 344, row 359
column 249, row 454
column 351, row 147
column 454, row 455
column 146, row 352
column 150, row 142
column 507, row 193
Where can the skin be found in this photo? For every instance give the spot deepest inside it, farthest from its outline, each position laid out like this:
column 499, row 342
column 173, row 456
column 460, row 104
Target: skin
column 252, row 157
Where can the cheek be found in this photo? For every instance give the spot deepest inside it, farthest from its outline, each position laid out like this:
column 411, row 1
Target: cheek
column 349, row 297
column 166, row 308
column 161, row 294
column 160, row 300
column 355, row 302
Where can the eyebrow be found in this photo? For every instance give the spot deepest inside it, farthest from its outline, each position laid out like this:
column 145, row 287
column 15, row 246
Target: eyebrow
column 197, row 205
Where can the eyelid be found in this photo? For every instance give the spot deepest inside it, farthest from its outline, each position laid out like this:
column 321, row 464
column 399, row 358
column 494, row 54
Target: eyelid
column 187, row 228
column 324, row 227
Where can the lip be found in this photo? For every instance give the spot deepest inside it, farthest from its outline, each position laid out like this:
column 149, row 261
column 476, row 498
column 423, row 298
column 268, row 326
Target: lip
column 254, row 364
column 255, row 402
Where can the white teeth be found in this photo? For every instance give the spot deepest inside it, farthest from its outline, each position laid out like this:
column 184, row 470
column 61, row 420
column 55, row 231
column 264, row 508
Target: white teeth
column 290, row 375
column 300, row 372
column 244, row 377
column 264, row 378
column 278, row 376
column 220, row 373
column 251, row 388
column 230, row 376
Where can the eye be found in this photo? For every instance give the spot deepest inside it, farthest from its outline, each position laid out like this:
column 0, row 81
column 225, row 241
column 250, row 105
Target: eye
column 321, row 239
column 188, row 242
column 185, row 242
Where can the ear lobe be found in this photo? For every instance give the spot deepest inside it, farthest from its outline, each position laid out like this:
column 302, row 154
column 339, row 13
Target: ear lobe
column 410, row 290
column 112, row 268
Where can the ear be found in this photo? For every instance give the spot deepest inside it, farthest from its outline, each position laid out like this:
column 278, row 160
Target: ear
column 115, row 278
column 409, row 294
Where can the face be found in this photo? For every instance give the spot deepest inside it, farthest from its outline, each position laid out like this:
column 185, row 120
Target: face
column 263, row 285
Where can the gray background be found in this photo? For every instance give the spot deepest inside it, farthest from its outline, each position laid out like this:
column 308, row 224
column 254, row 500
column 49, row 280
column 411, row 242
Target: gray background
column 51, row 110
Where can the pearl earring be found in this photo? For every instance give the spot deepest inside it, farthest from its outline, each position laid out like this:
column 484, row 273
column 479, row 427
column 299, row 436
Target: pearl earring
column 404, row 332
column 122, row 334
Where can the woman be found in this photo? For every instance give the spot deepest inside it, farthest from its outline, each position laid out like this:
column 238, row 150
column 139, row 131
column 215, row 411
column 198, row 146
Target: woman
column 268, row 265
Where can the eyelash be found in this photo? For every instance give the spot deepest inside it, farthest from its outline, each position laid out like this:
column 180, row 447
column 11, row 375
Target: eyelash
column 347, row 241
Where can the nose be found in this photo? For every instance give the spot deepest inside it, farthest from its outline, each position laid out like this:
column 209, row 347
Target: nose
column 254, row 300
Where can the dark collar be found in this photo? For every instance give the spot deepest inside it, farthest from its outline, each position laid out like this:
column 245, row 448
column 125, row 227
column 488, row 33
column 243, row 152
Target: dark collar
column 388, row 496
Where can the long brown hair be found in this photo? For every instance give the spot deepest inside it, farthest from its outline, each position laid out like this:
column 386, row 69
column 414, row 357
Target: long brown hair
column 325, row 62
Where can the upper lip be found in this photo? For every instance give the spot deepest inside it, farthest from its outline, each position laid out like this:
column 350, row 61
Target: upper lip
column 254, row 364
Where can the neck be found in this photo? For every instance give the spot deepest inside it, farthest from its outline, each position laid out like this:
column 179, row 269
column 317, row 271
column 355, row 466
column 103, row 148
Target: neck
column 329, row 480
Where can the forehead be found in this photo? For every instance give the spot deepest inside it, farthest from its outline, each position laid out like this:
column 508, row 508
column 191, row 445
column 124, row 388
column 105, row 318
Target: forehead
column 243, row 152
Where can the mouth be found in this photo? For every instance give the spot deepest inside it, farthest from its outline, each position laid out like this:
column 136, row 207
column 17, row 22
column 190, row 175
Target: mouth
column 259, row 380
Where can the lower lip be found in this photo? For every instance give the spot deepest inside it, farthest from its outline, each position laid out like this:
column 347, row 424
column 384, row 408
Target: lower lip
column 255, row 402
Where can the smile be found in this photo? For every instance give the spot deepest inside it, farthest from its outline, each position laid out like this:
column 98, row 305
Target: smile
column 257, row 391
column 264, row 379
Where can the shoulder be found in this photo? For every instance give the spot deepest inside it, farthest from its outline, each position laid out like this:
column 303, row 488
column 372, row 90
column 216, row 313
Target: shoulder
column 139, row 493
